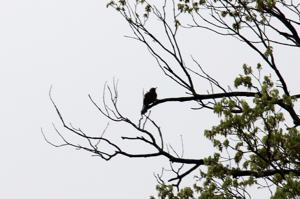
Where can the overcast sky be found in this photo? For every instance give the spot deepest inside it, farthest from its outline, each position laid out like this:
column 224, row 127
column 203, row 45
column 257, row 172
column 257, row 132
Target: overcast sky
column 76, row 46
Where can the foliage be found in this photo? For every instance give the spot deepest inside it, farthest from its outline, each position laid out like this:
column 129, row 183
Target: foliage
column 257, row 139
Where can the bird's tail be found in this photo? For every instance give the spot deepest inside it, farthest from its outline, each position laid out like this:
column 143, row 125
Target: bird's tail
column 144, row 110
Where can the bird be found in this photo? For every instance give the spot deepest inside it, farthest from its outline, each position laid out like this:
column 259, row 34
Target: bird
column 149, row 98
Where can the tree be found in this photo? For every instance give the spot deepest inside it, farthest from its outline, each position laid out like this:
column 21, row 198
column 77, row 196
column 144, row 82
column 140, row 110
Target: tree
column 257, row 139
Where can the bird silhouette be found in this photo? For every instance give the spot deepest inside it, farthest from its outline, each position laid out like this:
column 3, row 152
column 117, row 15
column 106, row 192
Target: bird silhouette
column 149, row 98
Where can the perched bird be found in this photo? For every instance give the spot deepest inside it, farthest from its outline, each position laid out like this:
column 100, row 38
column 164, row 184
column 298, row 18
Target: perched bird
column 149, row 98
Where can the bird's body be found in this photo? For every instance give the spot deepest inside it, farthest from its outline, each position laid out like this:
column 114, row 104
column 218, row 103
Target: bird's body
column 149, row 98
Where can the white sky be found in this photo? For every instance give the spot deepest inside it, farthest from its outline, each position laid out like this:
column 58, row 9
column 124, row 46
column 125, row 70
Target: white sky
column 76, row 46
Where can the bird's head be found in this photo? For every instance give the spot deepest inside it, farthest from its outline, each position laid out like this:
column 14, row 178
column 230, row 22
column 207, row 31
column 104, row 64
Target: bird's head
column 153, row 89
